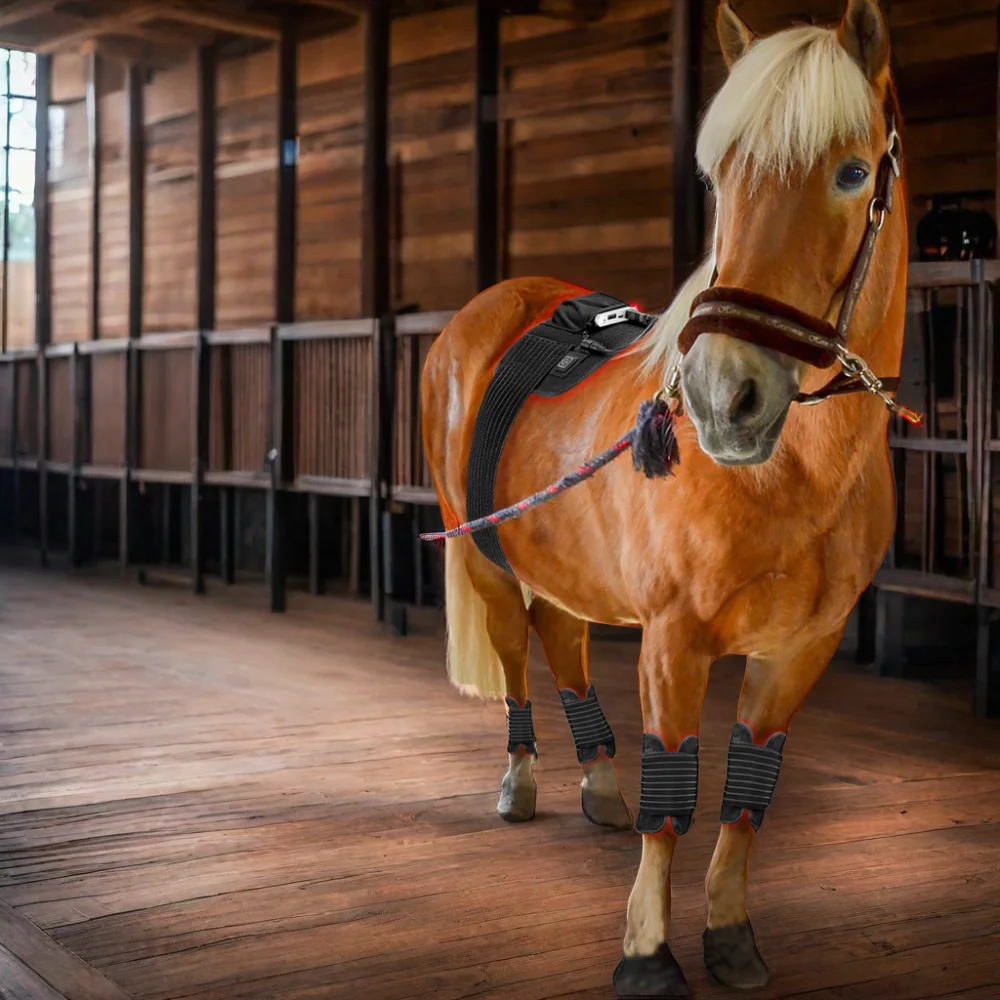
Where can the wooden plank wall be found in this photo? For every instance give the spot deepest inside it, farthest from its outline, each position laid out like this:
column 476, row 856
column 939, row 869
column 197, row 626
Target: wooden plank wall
column 113, row 204
column 587, row 149
column 247, row 186
column 171, row 204
column 585, row 144
column 69, row 203
column 331, row 153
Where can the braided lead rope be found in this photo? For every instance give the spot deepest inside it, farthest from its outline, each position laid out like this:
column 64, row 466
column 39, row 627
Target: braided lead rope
column 654, row 452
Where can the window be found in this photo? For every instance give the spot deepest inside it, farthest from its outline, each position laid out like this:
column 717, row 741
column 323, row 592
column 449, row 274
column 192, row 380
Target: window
column 17, row 175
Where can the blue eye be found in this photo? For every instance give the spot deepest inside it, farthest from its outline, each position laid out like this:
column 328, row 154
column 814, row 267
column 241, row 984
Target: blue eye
column 851, row 176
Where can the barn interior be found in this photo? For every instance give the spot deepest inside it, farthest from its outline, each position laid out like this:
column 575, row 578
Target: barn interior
column 231, row 231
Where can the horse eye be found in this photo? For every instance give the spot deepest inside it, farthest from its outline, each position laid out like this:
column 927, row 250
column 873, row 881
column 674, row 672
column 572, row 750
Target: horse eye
column 851, row 176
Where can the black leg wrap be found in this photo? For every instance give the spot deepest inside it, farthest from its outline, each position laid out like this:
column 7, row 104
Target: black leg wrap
column 751, row 774
column 590, row 729
column 668, row 787
column 520, row 731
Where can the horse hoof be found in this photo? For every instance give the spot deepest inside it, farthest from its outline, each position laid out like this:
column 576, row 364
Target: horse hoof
column 731, row 956
column 517, row 800
column 606, row 810
column 656, row 975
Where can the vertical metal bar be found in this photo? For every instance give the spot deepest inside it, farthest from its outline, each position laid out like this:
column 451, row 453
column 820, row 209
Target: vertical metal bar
column 486, row 142
column 985, row 437
column 375, row 267
column 689, row 205
column 76, row 396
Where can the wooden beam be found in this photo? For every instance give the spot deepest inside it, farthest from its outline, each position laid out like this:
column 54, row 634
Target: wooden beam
column 355, row 8
column 94, row 183
column 25, row 10
column 43, row 289
column 136, row 252
column 220, row 19
column 206, row 272
column 43, row 242
column 282, row 358
column 119, row 23
column 689, row 202
column 375, row 274
column 487, row 147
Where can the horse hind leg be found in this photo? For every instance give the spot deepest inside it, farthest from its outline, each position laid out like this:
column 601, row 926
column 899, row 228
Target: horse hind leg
column 565, row 640
column 488, row 656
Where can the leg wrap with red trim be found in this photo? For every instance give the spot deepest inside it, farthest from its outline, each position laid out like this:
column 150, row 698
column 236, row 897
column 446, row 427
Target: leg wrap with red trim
column 668, row 787
column 751, row 774
column 590, row 729
column 520, row 730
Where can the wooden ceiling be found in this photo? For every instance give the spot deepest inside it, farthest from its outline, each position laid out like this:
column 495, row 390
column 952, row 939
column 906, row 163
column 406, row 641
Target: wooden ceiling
column 154, row 31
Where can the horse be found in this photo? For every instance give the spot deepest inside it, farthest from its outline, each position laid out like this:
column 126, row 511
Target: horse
column 762, row 539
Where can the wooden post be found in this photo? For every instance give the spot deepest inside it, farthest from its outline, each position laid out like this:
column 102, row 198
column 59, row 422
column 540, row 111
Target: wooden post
column 375, row 265
column 986, row 699
column 282, row 366
column 487, row 143
column 689, row 205
column 43, row 292
column 206, row 264
column 136, row 250
column 890, row 653
column 315, row 545
column 94, row 182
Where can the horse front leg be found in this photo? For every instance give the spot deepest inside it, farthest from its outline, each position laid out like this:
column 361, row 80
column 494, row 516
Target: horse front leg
column 773, row 690
column 672, row 682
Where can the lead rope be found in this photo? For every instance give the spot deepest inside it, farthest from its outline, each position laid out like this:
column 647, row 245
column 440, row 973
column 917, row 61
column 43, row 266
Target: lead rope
column 654, row 453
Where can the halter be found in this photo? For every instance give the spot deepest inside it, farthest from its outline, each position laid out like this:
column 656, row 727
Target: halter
column 773, row 324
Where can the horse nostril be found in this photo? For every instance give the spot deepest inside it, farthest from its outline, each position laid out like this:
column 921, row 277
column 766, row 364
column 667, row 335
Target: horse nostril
column 744, row 403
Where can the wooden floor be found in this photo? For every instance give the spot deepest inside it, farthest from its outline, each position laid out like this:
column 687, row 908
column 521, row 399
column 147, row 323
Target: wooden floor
column 200, row 799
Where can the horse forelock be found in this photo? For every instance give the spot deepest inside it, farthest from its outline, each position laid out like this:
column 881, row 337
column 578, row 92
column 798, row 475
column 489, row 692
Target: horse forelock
column 785, row 103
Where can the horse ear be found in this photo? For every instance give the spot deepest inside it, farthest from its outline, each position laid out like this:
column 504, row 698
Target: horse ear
column 735, row 38
column 865, row 35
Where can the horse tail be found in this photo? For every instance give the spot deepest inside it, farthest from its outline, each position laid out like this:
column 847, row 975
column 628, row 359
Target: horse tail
column 473, row 665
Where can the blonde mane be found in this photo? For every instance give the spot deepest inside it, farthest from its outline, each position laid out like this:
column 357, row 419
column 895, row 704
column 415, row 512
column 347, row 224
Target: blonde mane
column 785, row 102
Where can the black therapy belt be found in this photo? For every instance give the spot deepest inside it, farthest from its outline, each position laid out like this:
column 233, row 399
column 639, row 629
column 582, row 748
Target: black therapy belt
column 550, row 359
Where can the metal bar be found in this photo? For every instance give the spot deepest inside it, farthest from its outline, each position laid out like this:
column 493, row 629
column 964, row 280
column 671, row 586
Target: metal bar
column 689, row 205
column 412, row 324
column 281, row 458
column 375, row 273
column 938, row 446
column 486, row 143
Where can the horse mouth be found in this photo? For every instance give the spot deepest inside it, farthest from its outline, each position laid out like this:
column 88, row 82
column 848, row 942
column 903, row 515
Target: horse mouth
column 732, row 448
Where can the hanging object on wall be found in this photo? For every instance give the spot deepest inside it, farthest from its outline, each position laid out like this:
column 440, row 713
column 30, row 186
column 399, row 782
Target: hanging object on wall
column 950, row 232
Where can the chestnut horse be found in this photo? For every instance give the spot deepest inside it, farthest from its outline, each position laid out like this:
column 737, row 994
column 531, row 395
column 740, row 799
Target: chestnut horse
column 778, row 516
